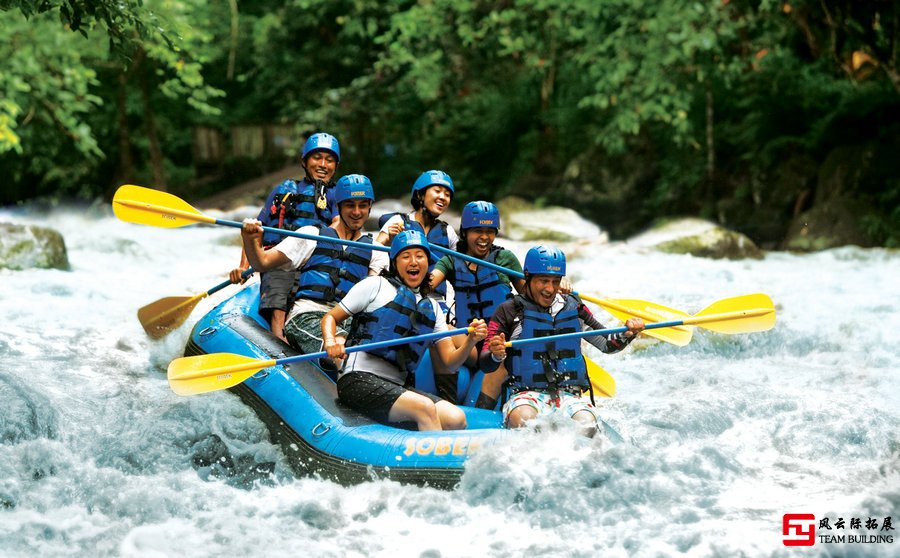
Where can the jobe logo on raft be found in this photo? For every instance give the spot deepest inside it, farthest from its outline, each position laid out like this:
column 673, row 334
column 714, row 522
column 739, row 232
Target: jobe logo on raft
column 443, row 445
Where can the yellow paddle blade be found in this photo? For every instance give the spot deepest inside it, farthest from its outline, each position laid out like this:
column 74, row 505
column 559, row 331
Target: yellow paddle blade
column 165, row 315
column 740, row 314
column 136, row 204
column 601, row 381
column 650, row 312
column 205, row 373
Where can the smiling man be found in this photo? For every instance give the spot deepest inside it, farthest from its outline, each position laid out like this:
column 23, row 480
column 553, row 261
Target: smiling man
column 378, row 382
column 291, row 205
column 328, row 270
column 478, row 290
column 546, row 377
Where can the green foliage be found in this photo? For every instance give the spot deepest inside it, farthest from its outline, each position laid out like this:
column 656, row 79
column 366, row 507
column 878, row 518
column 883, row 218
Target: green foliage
column 628, row 110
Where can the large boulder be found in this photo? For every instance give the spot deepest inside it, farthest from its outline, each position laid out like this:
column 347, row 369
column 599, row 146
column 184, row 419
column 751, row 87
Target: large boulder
column 699, row 238
column 523, row 221
column 29, row 246
column 837, row 222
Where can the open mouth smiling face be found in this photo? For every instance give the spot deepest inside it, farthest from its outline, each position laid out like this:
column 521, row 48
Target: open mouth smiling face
column 479, row 240
column 412, row 266
column 320, row 165
column 437, row 199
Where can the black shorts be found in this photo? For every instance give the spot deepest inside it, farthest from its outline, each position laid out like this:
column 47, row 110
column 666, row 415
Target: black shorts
column 277, row 290
column 373, row 395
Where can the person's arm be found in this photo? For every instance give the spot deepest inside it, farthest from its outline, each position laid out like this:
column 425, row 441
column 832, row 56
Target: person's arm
column 390, row 229
column 334, row 345
column 261, row 260
column 509, row 260
column 235, row 274
column 499, row 331
column 609, row 343
column 378, row 262
column 452, row 357
column 439, row 273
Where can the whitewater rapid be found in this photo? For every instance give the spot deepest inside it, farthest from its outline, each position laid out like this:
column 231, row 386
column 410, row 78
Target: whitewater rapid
column 99, row 458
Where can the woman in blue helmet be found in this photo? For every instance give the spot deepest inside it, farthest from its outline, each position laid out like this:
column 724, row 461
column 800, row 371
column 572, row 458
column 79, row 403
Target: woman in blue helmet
column 389, row 306
column 291, row 205
column 327, row 270
column 478, row 290
column 431, row 195
column 546, row 377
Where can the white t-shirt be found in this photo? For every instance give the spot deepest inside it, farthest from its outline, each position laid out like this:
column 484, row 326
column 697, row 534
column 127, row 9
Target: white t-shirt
column 369, row 295
column 452, row 237
column 299, row 250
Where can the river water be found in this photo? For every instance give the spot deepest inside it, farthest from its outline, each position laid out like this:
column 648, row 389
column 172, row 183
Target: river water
column 727, row 435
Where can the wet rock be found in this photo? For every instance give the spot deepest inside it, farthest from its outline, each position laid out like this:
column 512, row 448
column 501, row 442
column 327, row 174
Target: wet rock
column 29, row 246
column 212, row 459
column 699, row 238
column 834, row 223
column 522, row 220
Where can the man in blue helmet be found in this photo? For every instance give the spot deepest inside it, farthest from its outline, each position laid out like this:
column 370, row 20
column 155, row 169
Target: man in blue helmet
column 377, row 382
column 328, row 270
column 291, row 205
column 546, row 377
column 478, row 290
column 431, row 195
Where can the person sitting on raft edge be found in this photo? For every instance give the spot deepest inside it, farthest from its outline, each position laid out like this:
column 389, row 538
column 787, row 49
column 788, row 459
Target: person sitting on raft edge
column 328, row 270
column 291, row 205
column 547, row 377
column 396, row 304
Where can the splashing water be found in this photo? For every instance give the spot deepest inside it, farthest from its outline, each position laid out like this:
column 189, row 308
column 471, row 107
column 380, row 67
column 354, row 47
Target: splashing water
column 98, row 457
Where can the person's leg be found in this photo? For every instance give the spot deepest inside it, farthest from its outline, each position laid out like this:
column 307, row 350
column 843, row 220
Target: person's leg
column 276, row 322
column 451, row 416
column 386, row 401
column 523, row 407
column 491, row 386
column 417, row 408
column 304, row 332
column 276, row 295
column 581, row 412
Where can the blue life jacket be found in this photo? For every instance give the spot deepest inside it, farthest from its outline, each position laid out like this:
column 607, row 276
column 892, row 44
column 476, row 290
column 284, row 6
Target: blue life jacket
column 478, row 294
column 437, row 235
column 293, row 204
column 402, row 317
column 552, row 365
column 331, row 271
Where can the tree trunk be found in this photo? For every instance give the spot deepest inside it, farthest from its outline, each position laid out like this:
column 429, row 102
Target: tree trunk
column 126, row 161
column 232, row 51
column 156, row 155
column 710, row 150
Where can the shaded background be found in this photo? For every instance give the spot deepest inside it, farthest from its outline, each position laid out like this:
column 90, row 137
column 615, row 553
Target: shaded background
column 777, row 119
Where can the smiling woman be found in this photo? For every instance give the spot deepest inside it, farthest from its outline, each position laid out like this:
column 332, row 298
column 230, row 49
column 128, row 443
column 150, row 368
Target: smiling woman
column 385, row 307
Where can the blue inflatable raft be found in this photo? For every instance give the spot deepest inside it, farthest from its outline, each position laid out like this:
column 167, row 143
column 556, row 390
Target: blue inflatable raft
column 321, row 436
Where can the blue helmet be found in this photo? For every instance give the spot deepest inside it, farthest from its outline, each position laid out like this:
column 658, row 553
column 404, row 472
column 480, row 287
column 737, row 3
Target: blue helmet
column 408, row 239
column 322, row 142
column 480, row 214
column 545, row 260
column 353, row 187
column 433, row 178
